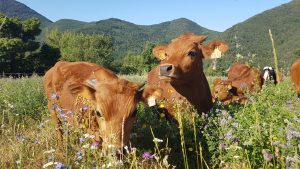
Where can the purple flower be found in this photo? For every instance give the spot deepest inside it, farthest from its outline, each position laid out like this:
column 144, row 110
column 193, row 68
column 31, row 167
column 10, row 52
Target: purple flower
column 59, row 166
column 224, row 112
column 267, row 156
column 53, row 96
column 35, row 141
column 147, row 155
column 81, row 139
column 20, row 137
column 229, row 135
column 222, row 121
column 222, row 146
column 86, row 107
column 229, row 117
column 235, row 124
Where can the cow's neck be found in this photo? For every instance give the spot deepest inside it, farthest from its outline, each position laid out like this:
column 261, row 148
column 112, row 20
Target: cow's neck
column 197, row 92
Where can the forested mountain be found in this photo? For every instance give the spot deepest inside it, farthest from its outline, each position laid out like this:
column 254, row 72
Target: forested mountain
column 251, row 38
column 15, row 8
column 129, row 37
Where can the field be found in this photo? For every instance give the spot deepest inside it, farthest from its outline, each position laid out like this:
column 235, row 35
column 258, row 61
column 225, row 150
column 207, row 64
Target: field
column 263, row 133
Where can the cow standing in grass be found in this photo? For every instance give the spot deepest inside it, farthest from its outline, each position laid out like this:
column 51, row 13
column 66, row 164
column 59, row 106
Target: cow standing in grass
column 95, row 99
column 295, row 76
column 180, row 72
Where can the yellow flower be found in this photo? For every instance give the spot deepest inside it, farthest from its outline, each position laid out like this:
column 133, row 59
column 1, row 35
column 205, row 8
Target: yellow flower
column 162, row 115
column 83, row 126
column 144, row 125
column 190, row 149
column 174, row 106
column 161, row 106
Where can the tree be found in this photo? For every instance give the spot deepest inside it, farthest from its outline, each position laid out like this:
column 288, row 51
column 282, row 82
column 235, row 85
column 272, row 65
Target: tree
column 82, row 47
column 17, row 44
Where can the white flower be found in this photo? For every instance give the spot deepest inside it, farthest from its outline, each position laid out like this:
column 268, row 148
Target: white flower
column 236, row 156
column 157, row 140
column 89, row 136
column 109, row 165
column 86, row 145
column 48, row 164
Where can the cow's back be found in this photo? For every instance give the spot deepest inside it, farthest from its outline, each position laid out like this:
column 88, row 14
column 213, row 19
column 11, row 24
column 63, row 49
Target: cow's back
column 64, row 78
column 295, row 74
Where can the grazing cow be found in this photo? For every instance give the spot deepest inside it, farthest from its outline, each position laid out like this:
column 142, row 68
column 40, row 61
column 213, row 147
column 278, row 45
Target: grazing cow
column 241, row 78
column 269, row 74
column 180, row 73
column 295, row 75
column 94, row 98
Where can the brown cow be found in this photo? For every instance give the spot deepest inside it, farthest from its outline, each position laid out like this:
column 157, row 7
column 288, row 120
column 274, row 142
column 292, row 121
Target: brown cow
column 295, row 75
column 180, row 73
column 94, row 98
column 241, row 78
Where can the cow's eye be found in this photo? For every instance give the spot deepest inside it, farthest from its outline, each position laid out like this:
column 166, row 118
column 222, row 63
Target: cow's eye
column 193, row 53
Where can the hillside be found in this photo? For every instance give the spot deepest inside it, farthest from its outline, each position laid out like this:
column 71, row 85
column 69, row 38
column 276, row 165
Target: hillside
column 251, row 37
column 131, row 37
column 15, row 8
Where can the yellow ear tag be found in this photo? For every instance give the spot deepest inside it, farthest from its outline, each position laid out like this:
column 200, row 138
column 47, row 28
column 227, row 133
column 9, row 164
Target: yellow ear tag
column 151, row 101
column 216, row 54
column 229, row 87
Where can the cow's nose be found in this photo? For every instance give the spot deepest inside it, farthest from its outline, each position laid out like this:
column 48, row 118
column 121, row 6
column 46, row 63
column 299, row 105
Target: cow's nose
column 166, row 70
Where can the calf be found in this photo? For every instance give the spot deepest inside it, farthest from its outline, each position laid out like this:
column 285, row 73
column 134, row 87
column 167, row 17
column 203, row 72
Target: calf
column 94, row 98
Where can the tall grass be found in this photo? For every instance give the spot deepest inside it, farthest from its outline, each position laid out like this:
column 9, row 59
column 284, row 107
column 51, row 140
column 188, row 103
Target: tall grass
column 263, row 133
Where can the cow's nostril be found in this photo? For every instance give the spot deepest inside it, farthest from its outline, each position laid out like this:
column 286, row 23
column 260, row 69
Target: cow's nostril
column 169, row 68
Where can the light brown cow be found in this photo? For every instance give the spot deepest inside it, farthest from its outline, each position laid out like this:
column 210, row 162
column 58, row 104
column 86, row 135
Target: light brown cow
column 180, row 73
column 241, row 78
column 295, row 75
column 94, row 98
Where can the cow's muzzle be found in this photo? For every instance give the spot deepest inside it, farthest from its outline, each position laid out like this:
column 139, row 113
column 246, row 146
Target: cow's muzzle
column 166, row 70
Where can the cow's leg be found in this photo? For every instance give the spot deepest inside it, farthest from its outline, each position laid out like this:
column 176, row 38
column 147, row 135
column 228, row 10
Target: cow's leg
column 57, row 123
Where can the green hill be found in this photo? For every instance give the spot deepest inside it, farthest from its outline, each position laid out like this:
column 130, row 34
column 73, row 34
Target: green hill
column 131, row 37
column 251, row 38
column 15, row 8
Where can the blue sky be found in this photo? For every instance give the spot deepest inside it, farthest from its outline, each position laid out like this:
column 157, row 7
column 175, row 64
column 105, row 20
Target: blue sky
column 216, row 15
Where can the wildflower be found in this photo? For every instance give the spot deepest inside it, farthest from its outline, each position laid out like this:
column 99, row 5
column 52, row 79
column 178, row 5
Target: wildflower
column 274, row 143
column 235, row 124
column 161, row 105
column 229, row 135
column 88, row 136
column 10, row 105
column 79, row 156
column 146, row 155
column 222, row 121
column 35, row 141
column 222, row 146
column 53, row 96
column 267, row 156
column 81, row 139
column 86, row 145
column 20, row 137
column 41, row 125
column 229, row 117
column 236, row 157
column 95, row 145
column 48, row 164
column 190, row 149
column 59, row 166
column 224, row 112
column 109, row 165
column 86, row 107
column 157, row 140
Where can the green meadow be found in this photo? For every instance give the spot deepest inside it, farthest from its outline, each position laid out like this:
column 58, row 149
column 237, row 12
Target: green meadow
column 263, row 133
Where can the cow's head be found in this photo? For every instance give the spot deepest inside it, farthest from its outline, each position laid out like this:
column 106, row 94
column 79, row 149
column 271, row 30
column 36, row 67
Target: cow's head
column 223, row 90
column 182, row 58
column 269, row 74
column 116, row 103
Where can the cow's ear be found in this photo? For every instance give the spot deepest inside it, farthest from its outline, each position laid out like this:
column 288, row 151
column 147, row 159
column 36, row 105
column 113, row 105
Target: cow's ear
column 214, row 49
column 91, row 83
column 149, row 95
column 159, row 52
